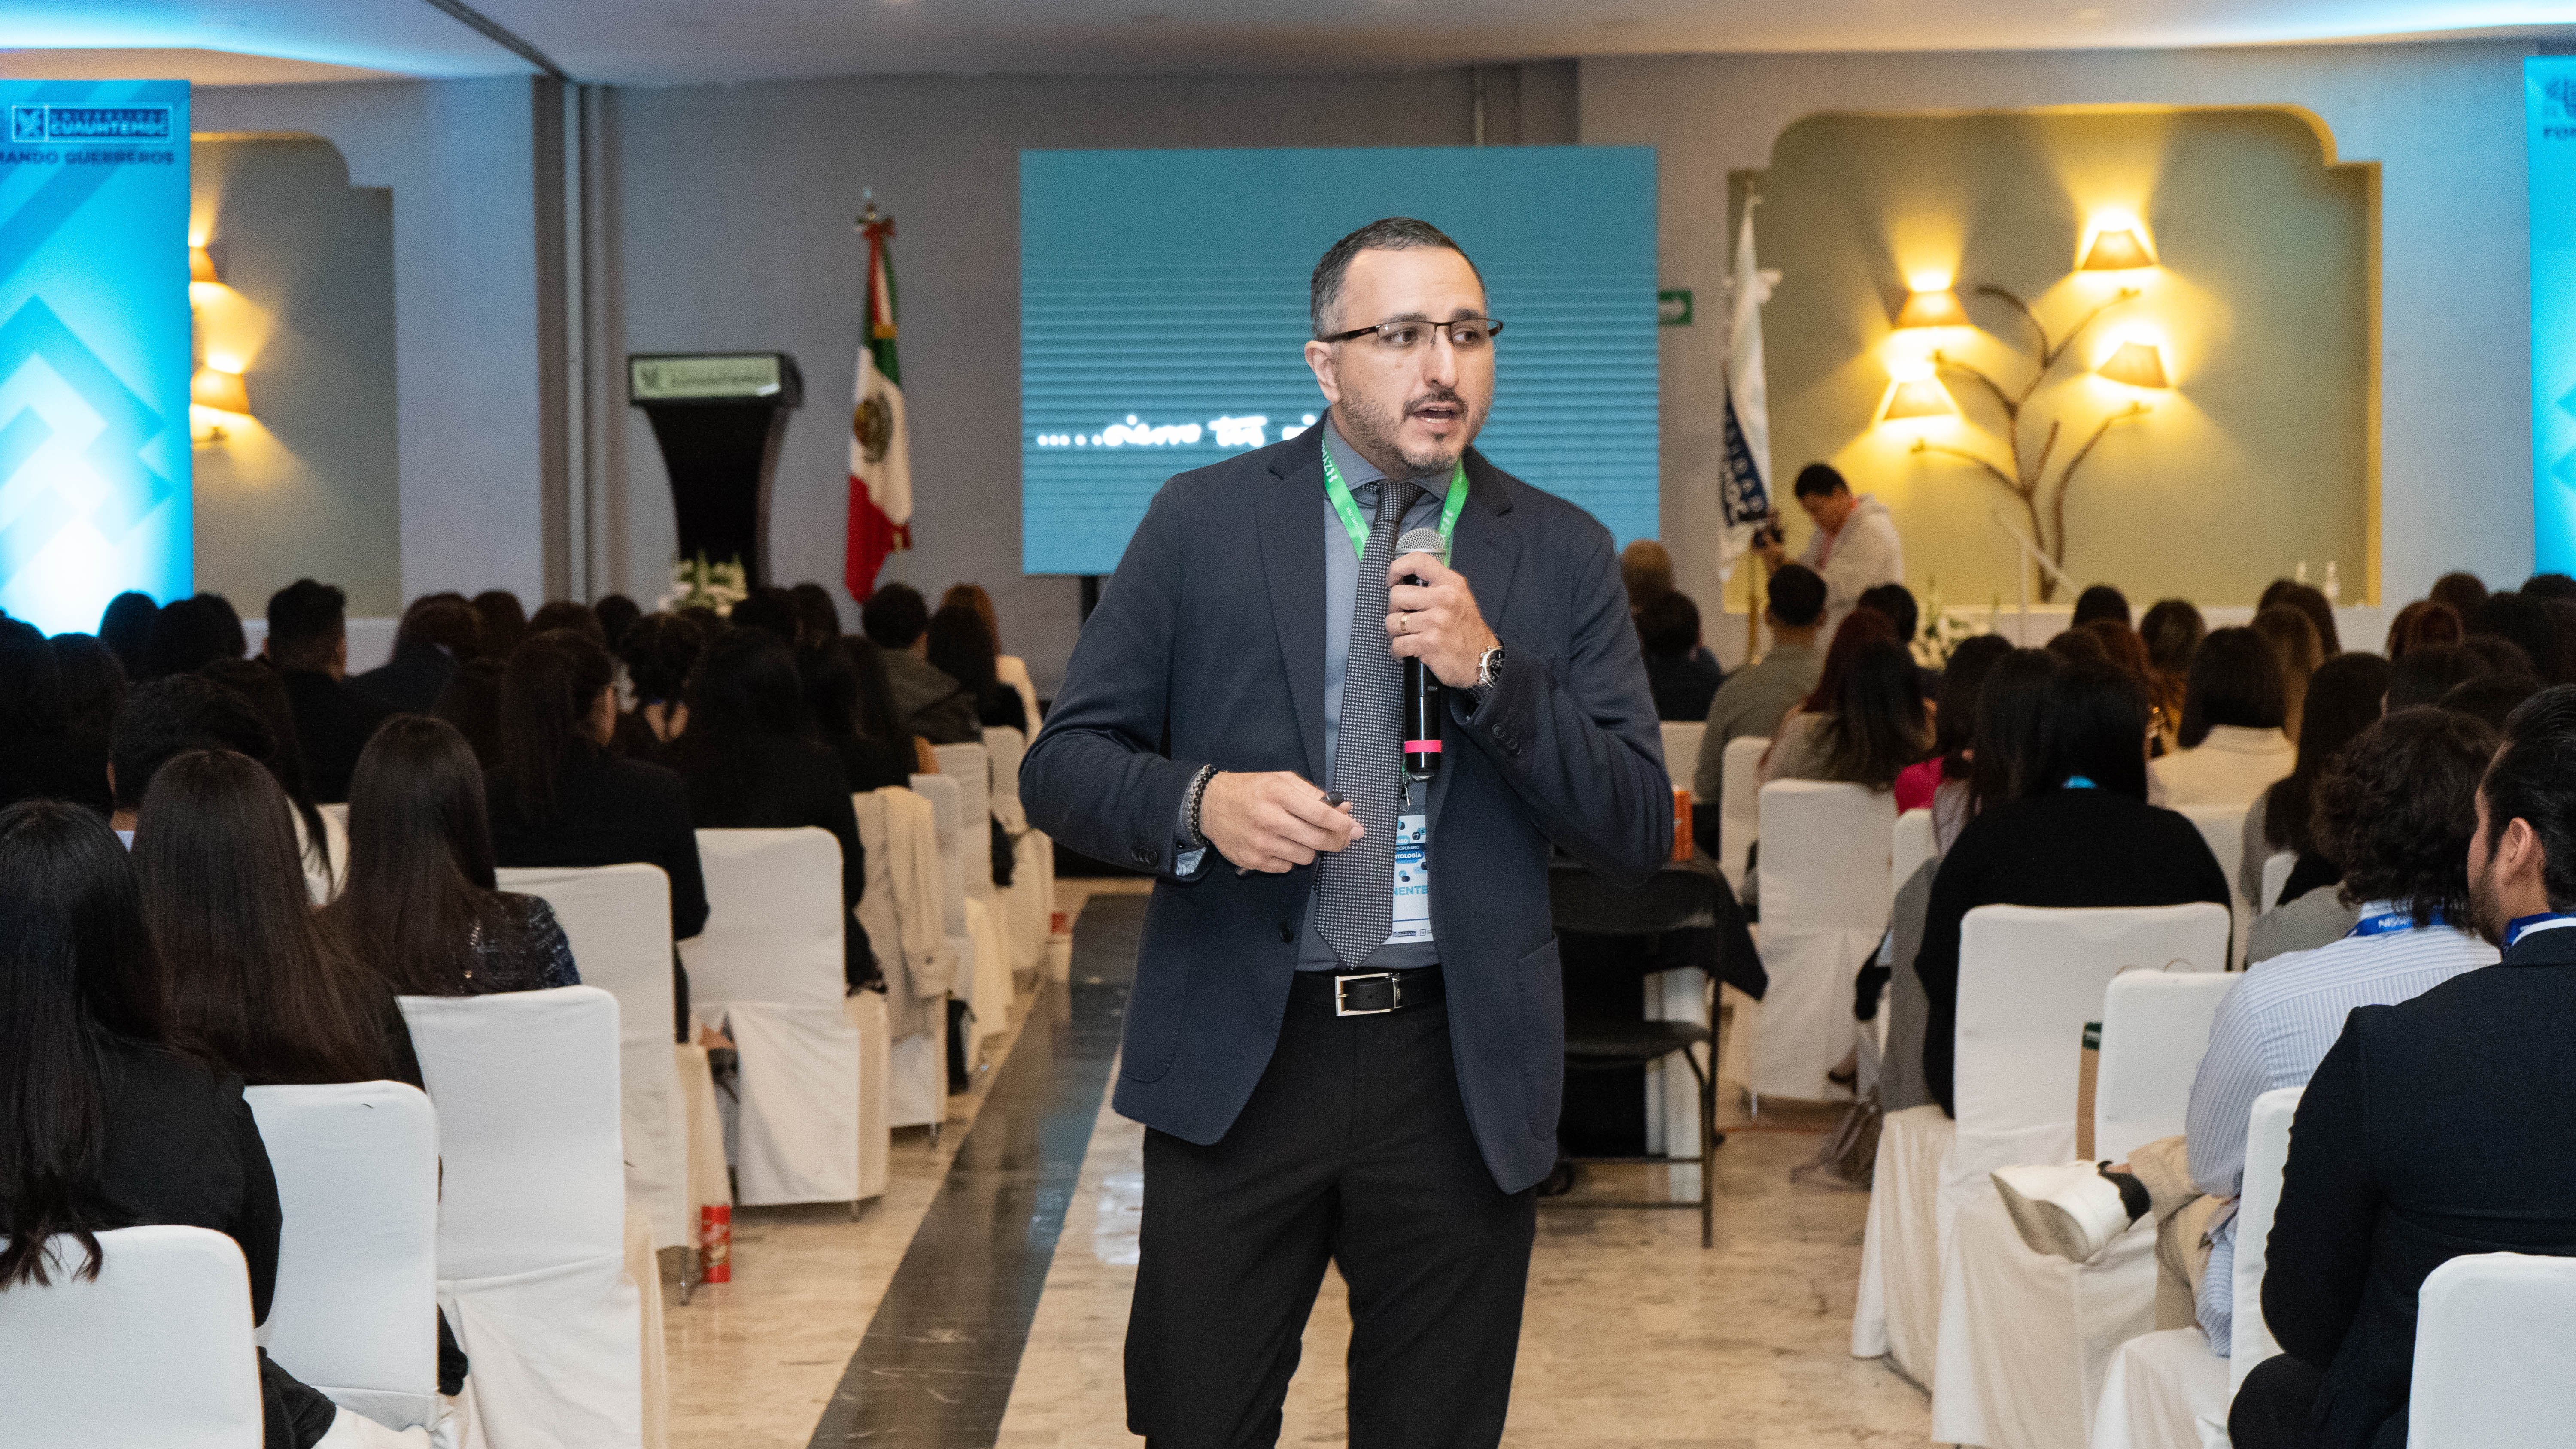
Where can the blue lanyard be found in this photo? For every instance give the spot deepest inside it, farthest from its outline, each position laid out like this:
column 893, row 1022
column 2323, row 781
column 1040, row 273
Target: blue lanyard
column 2081, row 782
column 2522, row 925
column 2384, row 922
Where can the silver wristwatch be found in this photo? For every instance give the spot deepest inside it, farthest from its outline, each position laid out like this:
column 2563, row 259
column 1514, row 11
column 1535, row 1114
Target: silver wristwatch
column 1489, row 672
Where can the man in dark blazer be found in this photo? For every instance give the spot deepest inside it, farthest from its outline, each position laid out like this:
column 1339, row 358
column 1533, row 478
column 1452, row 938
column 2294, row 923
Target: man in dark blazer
column 2439, row 1127
column 1330, row 1073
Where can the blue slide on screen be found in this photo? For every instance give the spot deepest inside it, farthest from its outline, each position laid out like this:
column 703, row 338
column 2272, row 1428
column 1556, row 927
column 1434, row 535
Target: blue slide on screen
column 1163, row 309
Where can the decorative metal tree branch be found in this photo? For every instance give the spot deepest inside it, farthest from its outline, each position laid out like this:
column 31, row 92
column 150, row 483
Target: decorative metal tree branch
column 2026, row 480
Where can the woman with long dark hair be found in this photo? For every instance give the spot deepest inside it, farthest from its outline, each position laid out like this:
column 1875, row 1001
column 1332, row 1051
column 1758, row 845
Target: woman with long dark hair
column 559, row 797
column 94, row 684
column 324, row 857
column 41, row 756
column 250, row 974
column 422, row 890
column 752, row 761
column 860, row 730
column 2344, row 697
column 126, row 628
column 1865, row 722
column 1953, row 728
column 658, row 651
column 103, row 1125
column 2231, row 744
column 960, row 645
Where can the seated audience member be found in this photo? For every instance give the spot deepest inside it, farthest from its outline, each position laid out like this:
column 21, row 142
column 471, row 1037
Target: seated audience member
column 658, row 651
column 2433, row 1127
column 559, row 797
column 1896, row 601
column 751, row 761
column 2343, row 700
column 879, row 718
column 41, row 756
column 2490, row 697
column 2308, row 600
column 2080, row 649
column 435, row 635
column 568, row 614
column 102, row 1123
column 957, row 644
column 168, row 717
column 930, row 703
column 94, row 685
column 2127, row 653
column 2428, row 672
column 2398, row 806
column 422, row 899
column 2101, row 601
column 1668, row 636
column 500, row 622
column 252, row 975
column 2462, row 591
column 2522, row 622
column 1012, row 670
column 1864, row 724
column 1646, row 572
column 854, row 716
column 316, row 836
column 615, row 612
column 189, row 634
column 308, row 645
column 2086, row 836
column 126, row 629
column 2294, row 640
column 773, row 611
column 2421, row 625
column 1757, row 697
column 2231, row 745
column 1941, row 782
column 2547, row 586
column 472, row 702
column 2499, row 655
column 2172, row 631
column 818, row 618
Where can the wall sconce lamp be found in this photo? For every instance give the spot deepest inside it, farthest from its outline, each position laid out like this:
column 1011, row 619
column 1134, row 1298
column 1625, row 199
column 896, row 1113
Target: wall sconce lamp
column 201, row 266
column 1932, row 307
column 218, row 389
column 2116, row 248
column 2138, row 364
column 1916, row 393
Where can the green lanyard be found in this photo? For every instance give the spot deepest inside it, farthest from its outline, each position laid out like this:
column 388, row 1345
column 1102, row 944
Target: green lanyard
column 1358, row 527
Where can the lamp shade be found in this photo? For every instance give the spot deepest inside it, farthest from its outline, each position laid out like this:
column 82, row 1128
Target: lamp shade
column 1940, row 308
column 2116, row 250
column 1921, row 397
column 201, row 267
column 2138, row 364
column 222, row 391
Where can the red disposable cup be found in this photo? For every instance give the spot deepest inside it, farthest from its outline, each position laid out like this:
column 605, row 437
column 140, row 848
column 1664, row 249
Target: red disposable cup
column 715, row 1243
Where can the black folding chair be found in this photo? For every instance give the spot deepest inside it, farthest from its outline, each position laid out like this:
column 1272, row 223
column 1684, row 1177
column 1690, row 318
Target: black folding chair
column 1679, row 899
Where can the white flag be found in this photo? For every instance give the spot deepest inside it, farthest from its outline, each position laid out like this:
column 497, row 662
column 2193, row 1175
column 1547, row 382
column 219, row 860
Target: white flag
column 1745, row 485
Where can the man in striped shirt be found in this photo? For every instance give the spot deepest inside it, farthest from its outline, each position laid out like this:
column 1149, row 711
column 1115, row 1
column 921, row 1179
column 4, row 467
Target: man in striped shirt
column 2397, row 808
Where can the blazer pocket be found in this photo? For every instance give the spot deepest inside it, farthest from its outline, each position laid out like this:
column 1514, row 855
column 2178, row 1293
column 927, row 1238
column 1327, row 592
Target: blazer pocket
column 1154, row 1011
column 1540, row 979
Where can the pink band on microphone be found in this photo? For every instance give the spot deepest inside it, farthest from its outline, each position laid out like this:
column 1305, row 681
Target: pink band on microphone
column 1422, row 747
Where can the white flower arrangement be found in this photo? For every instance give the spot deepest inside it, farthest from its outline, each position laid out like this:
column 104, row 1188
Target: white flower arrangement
column 1946, row 629
column 696, row 582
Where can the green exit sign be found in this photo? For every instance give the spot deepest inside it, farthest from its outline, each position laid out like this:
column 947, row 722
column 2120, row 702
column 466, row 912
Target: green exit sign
column 1673, row 307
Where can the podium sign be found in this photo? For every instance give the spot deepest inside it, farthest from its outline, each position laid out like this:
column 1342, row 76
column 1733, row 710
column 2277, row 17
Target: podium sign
column 719, row 418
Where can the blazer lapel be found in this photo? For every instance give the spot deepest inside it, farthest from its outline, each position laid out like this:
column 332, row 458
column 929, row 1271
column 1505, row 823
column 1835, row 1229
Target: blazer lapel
column 1486, row 549
column 1292, row 561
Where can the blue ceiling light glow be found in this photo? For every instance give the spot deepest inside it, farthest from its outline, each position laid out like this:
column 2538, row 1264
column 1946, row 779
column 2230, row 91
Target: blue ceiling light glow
column 94, row 347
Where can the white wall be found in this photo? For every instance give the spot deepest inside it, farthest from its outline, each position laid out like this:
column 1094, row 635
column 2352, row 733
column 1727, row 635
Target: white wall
column 459, row 158
column 2444, row 121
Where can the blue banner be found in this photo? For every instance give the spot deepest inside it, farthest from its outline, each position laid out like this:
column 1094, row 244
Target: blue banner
column 2549, row 113
column 94, row 348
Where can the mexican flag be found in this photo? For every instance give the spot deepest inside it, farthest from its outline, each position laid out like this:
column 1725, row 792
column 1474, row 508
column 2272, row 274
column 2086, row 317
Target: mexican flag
column 880, row 445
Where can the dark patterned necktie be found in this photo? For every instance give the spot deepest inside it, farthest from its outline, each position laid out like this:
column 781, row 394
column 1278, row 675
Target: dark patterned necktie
column 1355, row 887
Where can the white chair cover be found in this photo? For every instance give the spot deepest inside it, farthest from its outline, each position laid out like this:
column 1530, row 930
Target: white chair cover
column 2223, row 826
column 1028, row 904
column 1898, row 1311
column 2495, row 1354
column 1739, row 816
column 867, row 1013
column 956, row 849
column 355, row 1313
column 2027, row 1338
column 2167, row 1390
column 769, row 969
column 618, row 919
column 2276, row 874
column 992, row 1000
column 971, row 767
column 1681, row 748
column 988, row 978
column 532, row 1214
column 1825, row 892
column 1014, row 671
column 155, row 1354
column 2029, row 981
column 2267, row 1156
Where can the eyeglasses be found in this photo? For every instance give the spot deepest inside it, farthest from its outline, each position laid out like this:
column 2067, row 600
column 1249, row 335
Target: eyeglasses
column 1465, row 334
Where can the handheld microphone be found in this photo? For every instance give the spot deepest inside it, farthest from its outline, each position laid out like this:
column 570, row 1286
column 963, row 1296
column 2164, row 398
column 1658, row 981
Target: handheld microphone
column 1421, row 718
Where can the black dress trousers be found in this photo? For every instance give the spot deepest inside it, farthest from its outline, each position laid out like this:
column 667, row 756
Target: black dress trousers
column 1353, row 1150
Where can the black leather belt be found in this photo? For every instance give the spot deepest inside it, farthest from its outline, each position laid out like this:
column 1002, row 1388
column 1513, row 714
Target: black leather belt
column 1371, row 993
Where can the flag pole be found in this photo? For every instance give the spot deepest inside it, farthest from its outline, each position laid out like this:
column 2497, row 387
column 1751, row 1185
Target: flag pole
column 1753, row 611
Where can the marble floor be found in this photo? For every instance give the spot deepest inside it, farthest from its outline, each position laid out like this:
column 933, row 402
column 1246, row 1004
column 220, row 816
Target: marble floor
column 1634, row 1335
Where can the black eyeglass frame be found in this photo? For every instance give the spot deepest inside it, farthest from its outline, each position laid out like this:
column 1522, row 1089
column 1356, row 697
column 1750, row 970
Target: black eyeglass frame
column 1379, row 329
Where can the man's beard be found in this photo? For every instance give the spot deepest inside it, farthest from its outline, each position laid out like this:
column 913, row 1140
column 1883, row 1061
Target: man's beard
column 2486, row 907
column 1372, row 429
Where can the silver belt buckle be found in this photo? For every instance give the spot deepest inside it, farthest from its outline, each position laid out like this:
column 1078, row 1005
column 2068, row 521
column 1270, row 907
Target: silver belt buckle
column 1342, row 1007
